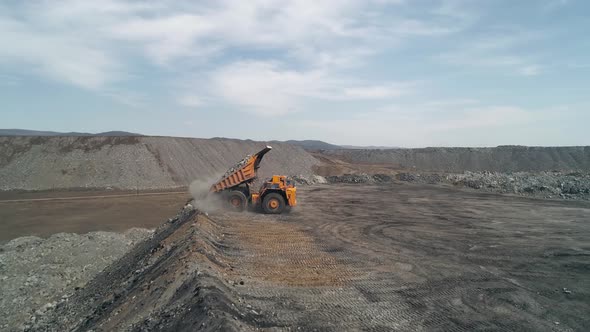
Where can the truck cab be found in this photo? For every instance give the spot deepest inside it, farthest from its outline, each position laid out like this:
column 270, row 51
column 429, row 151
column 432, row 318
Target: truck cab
column 275, row 194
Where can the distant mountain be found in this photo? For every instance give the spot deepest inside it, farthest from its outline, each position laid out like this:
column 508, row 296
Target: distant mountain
column 117, row 133
column 26, row 132
column 370, row 147
column 313, row 145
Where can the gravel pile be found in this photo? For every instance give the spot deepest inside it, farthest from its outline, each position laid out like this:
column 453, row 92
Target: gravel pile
column 541, row 184
column 45, row 163
column 308, row 180
column 544, row 184
column 359, row 178
column 36, row 274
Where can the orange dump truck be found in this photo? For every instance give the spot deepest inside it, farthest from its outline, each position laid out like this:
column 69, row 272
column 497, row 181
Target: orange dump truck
column 274, row 196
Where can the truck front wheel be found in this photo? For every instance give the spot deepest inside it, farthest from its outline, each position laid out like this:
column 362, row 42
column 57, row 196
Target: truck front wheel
column 273, row 203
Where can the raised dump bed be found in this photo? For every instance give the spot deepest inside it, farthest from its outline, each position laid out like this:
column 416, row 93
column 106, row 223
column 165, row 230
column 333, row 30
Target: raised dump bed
column 243, row 172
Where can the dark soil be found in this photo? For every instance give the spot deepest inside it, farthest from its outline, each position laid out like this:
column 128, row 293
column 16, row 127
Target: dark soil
column 44, row 214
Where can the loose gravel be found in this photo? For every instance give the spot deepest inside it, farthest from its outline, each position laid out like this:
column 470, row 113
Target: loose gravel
column 458, row 160
column 144, row 163
column 541, row 184
column 37, row 274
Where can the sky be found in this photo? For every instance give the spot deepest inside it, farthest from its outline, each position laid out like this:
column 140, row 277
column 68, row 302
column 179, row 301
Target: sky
column 373, row 72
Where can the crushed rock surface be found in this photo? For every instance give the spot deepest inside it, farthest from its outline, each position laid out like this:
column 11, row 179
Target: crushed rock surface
column 509, row 158
column 544, row 184
column 36, row 274
column 309, row 180
column 145, row 163
column 536, row 184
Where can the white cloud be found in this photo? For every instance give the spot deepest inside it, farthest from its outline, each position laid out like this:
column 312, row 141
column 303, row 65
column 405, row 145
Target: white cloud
column 131, row 99
column 375, row 92
column 551, row 5
column 267, row 88
column 414, row 126
column 99, row 35
column 301, row 49
column 451, row 103
column 483, row 117
column 530, row 70
column 169, row 37
column 497, row 51
column 190, row 101
column 421, row 28
column 329, row 31
column 262, row 87
column 67, row 58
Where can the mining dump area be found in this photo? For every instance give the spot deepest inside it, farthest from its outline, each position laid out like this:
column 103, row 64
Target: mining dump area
column 383, row 257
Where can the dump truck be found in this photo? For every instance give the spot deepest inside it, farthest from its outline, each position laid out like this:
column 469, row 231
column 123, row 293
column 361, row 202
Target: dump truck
column 276, row 194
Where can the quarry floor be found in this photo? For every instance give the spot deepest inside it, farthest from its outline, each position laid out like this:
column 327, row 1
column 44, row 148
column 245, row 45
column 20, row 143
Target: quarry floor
column 45, row 213
column 413, row 257
column 399, row 256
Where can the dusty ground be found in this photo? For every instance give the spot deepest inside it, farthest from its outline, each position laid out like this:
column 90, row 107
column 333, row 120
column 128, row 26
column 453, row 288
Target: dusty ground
column 389, row 257
column 45, row 213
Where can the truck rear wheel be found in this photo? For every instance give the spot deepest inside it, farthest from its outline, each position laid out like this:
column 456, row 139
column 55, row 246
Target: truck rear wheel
column 237, row 201
column 273, row 203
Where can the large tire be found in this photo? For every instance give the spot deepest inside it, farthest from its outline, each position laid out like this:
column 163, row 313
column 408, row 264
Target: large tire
column 273, row 203
column 236, row 201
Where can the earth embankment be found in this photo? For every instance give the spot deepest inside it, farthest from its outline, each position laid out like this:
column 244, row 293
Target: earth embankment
column 498, row 159
column 132, row 162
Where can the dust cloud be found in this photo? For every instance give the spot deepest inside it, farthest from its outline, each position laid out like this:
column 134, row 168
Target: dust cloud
column 202, row 198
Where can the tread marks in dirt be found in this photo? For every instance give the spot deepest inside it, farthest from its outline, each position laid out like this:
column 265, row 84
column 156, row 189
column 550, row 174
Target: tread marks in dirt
column 450, row 266
column 381, row 262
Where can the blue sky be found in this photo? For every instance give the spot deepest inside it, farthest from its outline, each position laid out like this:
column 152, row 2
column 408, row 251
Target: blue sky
column 374, row 72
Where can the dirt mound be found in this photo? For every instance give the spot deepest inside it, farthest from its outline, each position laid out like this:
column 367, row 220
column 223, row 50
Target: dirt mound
column 45, row 163
column 36, row 274
column 499, row 159
column 544, row 184
column 574, row 186
column 538, row 184
column 158, row 285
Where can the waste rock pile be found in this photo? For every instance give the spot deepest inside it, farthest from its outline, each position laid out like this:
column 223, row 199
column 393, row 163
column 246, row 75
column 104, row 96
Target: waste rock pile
column 360, row 178
column 457, row 160
column 540, row 184
column 144, row 163
column 38, row 274
column 308, row 180
column 544, row 184
column 351, row 178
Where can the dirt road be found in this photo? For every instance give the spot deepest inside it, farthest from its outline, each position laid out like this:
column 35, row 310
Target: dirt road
column 395, row 257
column 91, row 197
column 43, row 214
